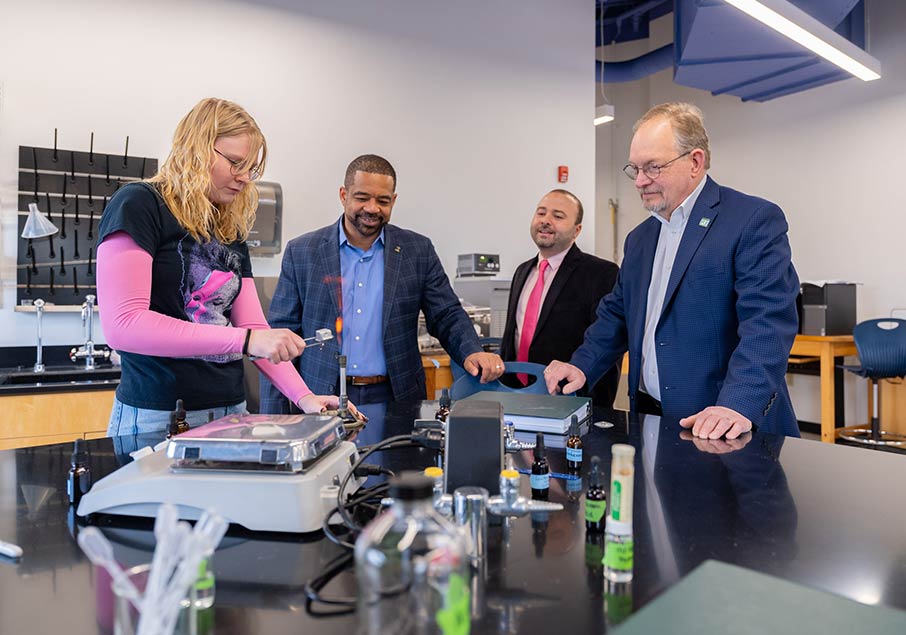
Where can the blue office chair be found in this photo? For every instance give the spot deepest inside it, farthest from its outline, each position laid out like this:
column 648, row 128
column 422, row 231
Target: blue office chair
column 882, row 353
column 464, row 384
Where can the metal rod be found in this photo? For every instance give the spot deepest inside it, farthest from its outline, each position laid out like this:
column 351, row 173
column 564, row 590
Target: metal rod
column 39, row 315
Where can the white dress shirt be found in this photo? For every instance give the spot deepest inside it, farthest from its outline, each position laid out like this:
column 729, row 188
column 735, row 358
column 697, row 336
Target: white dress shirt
column 667, row 245
column 553, row 266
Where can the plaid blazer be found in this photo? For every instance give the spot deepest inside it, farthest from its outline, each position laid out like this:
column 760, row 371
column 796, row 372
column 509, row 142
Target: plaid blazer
column 308, row 295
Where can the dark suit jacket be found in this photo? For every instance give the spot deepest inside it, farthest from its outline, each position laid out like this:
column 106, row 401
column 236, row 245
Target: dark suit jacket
column 307, row 299
column 568, row 309
column 729, row 316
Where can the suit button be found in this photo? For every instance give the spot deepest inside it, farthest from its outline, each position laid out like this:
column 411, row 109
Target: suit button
column 666, row 387
column 662, row 343
column 331, row 388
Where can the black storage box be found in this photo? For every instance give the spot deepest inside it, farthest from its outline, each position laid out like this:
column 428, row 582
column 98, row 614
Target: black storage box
column 828, row 309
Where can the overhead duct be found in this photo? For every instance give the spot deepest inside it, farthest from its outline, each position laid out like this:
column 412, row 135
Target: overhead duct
column 634, row 69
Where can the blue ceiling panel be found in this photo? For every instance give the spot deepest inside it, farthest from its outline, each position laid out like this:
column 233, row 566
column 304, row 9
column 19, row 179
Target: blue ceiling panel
column 720, row 49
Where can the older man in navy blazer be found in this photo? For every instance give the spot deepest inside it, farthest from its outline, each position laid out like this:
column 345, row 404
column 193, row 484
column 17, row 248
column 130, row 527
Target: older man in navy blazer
column 705, row 302
column 372, row 278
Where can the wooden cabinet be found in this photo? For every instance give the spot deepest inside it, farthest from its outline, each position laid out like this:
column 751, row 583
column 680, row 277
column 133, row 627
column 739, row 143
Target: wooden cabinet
column 53, row 417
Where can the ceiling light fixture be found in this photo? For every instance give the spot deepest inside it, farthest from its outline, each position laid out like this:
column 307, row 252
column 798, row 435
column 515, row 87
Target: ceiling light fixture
column 603, row 114
column 799, row 26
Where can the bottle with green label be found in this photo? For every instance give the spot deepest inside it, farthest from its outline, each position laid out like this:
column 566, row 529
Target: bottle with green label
column 618, row 548
column 595, row 499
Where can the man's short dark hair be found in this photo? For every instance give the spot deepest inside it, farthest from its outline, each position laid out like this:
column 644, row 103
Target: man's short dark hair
column 574, row 199
column 371, row 163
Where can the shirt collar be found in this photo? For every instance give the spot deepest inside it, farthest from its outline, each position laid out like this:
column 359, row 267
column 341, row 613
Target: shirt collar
column 681, row 214
column 344, row 240
column 554, row 261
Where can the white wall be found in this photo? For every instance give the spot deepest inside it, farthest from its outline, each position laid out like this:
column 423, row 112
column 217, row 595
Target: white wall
column 474, row 102
column 831, row 157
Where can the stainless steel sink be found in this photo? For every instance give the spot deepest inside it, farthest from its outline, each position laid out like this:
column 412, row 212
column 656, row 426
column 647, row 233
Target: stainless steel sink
column 58, row 376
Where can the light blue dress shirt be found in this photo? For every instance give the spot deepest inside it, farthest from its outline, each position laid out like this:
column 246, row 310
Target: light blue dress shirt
column 363, row 307
column 667, row 245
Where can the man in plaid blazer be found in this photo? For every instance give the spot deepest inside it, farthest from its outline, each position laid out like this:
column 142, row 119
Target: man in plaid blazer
column 371, row 279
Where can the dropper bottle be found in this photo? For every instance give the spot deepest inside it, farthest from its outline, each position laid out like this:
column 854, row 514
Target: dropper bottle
column 79, row 481
column 541, row 473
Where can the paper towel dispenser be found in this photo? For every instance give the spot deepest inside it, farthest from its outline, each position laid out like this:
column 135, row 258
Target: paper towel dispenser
column 266, row 234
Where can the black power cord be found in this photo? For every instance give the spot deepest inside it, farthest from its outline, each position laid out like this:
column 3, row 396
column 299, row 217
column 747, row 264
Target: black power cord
column 368, row 498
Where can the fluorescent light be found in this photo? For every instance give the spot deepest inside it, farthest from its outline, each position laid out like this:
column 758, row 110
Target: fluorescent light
column 603, row 114
column 803, row 29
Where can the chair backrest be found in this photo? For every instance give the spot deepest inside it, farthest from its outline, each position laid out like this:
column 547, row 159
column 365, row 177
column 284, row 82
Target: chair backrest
column 464, row 384
column 882, row 347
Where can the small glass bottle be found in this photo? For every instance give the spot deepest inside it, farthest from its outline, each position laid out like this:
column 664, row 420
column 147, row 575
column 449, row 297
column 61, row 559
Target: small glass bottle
column 618, row 549
column 540, row 478
column 79, row 480
column 412, row 566
column 595, row 499
column 443, row 406
column 574, row 446
column 181, row 424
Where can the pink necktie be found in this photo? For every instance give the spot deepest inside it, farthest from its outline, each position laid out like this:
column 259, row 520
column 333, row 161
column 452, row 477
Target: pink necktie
column 530, row 320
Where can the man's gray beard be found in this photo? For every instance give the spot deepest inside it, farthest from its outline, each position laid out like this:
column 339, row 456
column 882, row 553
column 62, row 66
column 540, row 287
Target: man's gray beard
column 657, row 208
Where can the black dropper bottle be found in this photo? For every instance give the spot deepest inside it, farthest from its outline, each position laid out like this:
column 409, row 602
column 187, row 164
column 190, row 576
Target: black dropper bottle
column 574, row 446
column 79, row 481
column 443, row 406
column 541, row 473
column 595, row 499
column 178, row 423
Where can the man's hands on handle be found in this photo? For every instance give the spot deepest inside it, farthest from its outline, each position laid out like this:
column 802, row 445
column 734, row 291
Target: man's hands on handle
column 488, row 364
column 715, row 422
column 276, row 345
column 557, row 372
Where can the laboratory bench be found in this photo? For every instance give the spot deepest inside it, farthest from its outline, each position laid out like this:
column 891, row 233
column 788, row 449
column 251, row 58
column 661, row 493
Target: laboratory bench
column 64, row 402
column 807, row 512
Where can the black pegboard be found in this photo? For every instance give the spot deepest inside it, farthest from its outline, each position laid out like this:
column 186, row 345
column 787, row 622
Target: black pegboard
column 72, row 188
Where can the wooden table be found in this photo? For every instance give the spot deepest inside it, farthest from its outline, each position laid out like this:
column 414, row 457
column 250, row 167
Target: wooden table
column 830, row 351
column 437, row 375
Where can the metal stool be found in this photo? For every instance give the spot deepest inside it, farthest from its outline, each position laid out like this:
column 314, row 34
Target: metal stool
column 882, row 352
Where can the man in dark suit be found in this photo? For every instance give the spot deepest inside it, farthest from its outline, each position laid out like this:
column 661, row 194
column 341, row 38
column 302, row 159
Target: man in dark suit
column 705, row 301
column 569, row 291
column 369, row 280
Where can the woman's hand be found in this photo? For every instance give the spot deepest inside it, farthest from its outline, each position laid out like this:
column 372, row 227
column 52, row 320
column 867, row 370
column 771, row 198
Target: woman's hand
column 314, row 404
column 276, row 345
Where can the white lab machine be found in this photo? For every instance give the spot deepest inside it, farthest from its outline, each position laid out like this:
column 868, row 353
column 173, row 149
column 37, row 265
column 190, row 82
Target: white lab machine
column 264, row 472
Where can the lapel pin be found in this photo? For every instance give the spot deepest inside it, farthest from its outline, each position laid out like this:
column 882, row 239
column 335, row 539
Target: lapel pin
column 704, row 222
column 396, row 249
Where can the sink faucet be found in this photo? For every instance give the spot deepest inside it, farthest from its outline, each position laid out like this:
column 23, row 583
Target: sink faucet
column 87, row 349
column 39, row 314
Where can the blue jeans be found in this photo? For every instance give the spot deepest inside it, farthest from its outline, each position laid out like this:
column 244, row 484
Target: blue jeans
column 130, row 420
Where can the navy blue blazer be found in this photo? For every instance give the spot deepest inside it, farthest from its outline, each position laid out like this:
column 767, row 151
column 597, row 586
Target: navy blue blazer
column 308, row 295
column 729, row 316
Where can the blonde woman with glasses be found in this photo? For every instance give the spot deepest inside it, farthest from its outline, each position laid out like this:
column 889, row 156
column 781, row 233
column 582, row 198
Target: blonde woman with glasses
column 174, row 279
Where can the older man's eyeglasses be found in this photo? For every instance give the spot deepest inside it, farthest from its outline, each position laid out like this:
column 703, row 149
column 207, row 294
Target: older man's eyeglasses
column 254, row 171
column 651, row 171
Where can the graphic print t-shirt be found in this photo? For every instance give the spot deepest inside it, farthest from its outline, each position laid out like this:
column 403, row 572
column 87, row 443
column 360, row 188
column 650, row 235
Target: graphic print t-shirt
column 192, row 281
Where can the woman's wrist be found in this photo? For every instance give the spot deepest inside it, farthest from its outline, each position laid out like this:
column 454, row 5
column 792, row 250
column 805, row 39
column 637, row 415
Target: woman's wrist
column 245, row 346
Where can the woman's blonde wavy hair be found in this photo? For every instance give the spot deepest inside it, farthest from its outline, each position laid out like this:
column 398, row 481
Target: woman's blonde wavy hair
column 184, row 178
